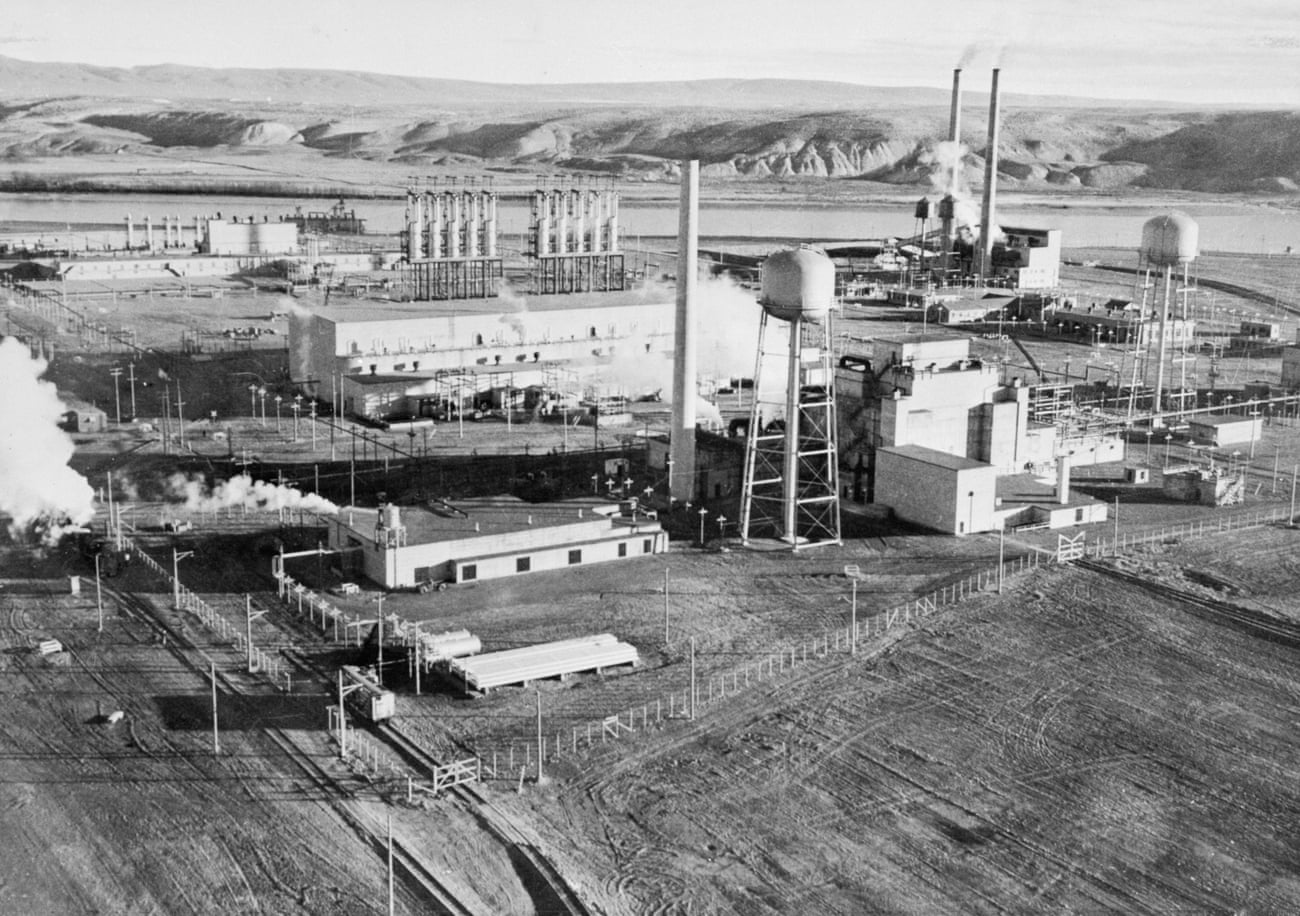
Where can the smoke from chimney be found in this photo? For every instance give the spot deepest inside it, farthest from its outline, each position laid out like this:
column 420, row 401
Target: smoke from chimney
column 37, row 487
column 242, row 491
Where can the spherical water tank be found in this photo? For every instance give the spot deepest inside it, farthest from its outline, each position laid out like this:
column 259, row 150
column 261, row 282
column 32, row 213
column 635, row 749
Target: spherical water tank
column 1170, row 239
column 798, row 283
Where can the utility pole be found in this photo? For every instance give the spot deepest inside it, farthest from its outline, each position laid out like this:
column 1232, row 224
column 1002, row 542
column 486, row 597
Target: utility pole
column 216, row 741
column 177, row 556
column 853, row 620
column 665, row 608
column 379, row 665
column 1117, row 523
column 391, row 901
column 1295, row 473
column 1002, row 537
column 180, row 414
column 131, row 376
column 117, row 394
column 249, row 617
column 417, row 657
column 99, row 600
column 692, row 678
column 539, row 737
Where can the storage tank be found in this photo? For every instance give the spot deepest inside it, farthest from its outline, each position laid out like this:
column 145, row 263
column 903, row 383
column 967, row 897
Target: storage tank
column 452, row 644
column 392, row 516
column 1170, row 239
column 923, row 208
column 798, row 283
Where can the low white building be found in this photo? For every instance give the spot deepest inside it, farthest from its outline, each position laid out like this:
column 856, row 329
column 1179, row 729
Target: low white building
column 1225, row 429
column 250, row 238
column 938, row 490
column 488, row 539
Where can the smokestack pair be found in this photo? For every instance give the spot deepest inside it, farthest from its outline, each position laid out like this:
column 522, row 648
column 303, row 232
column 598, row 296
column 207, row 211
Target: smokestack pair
column 984, row 258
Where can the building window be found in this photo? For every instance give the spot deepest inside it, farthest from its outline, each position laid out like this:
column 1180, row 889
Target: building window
column 1078, row 515
column 469, row 572
column 575, row 557
column 646, row 545
column 523, row 564
column 622, row 549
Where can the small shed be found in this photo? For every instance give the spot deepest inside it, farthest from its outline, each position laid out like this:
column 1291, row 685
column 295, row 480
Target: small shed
column 85, row 420
column 1225, row 429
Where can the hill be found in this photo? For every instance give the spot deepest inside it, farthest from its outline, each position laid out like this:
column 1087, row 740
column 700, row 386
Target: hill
column 309, row 122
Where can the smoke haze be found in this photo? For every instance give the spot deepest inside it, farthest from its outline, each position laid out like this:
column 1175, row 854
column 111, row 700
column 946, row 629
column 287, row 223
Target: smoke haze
column 37, row 487
column 243, row 491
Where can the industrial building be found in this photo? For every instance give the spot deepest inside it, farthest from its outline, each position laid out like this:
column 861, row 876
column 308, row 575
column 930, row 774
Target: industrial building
column 488, row 539
column 935, row 431
column 1028, row 258
column 1291, row 368
column 402, row 359
column 1117, row 322
column 231, row 237
column 1225, row 429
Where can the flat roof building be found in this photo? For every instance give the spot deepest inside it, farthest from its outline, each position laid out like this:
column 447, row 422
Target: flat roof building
column 488, row 539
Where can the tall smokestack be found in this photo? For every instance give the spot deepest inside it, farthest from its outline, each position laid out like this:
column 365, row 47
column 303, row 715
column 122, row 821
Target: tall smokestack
column 682, row 431
column 954, row 126
column 987, row 222
column 949, row 223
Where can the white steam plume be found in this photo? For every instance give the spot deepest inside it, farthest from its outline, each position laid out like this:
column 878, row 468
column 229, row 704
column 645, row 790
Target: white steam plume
column 726, row 340
column 243, row 491
column 516, row 321
column 36, row 485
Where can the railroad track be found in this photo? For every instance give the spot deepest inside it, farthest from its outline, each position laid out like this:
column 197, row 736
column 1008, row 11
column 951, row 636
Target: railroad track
column 1256, row 623
column 418, row 878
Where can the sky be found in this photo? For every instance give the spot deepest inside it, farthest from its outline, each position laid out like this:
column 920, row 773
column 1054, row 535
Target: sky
column 1196, row 51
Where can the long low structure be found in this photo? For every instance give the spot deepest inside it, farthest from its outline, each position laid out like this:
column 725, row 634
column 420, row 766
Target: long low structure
column 481, row 673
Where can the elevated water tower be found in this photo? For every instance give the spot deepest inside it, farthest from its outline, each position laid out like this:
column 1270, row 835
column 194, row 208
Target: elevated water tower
column 791, row 488
column 1170, row 241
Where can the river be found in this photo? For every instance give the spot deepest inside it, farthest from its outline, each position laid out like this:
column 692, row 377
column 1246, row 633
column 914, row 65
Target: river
column 1230, row 226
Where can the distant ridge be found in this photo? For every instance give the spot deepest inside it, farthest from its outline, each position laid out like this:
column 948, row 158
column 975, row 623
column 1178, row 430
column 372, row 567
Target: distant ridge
column 21, row 79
